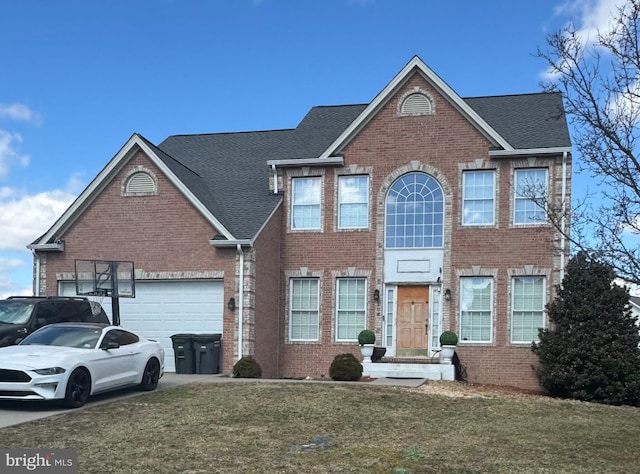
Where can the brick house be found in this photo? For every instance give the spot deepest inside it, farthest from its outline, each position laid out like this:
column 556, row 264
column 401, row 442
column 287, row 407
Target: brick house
column 409, row 215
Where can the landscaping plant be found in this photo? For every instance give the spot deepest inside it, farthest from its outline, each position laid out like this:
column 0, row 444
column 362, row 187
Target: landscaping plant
column 590, row 349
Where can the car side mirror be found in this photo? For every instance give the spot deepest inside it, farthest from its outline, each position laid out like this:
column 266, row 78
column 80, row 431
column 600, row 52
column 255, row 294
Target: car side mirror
column 110, row 345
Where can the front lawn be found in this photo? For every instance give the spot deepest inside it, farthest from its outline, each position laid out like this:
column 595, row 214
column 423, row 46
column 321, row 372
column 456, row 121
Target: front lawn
column 326, row 427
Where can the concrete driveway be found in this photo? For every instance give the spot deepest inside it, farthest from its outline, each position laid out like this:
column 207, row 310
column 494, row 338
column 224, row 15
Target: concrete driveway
column 16, row 412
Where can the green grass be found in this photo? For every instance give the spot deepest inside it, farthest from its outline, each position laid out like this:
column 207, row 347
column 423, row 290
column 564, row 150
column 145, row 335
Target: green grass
column 325, row 427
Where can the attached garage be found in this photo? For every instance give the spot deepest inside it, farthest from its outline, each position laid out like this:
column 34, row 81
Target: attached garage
column 164, row 308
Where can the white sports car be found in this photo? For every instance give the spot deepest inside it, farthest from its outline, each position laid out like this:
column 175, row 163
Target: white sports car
column 71, row 361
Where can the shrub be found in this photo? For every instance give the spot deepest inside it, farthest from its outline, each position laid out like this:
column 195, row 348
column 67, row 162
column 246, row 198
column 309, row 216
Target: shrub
column 590, row 349
column 345, row 367
column 448, row 338
column 247, row 368
column 366, row 336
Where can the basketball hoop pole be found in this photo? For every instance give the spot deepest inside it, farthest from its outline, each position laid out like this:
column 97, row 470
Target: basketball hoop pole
column 115, row 301
column 115, row 310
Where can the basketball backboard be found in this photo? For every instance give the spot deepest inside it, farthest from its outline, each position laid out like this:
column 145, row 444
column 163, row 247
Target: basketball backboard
column 105, row 278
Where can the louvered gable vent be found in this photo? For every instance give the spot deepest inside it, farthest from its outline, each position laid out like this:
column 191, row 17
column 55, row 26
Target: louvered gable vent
column 141, row 183
column 416, row 104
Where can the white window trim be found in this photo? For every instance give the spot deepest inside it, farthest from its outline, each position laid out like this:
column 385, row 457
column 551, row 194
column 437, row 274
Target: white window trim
column 291, row 338
column 337, row 309
column 515, row 197
column 544, row 304
column 293, row 205
column 465, row 173
column 491, row 311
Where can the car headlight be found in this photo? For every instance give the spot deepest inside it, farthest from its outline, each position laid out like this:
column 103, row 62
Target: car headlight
column 50, row 371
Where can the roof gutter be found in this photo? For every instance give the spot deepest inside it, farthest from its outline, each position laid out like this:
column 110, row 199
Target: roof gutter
column 331, row 160
column 231, row 243
column 57, row 246
column 529, row 151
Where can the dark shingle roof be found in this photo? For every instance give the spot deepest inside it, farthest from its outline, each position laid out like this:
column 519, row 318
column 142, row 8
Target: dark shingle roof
column 527, row 120
column 227, row 172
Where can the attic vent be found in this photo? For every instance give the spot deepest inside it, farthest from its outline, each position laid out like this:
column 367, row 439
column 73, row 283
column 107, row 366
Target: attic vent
column 416, row 104
column 141, row 183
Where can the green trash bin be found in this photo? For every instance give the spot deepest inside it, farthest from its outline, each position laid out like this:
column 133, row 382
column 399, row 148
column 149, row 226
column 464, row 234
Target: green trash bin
column 208, row 350
column 183, row 353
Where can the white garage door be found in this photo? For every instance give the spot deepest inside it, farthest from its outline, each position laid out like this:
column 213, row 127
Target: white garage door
column 164, row 308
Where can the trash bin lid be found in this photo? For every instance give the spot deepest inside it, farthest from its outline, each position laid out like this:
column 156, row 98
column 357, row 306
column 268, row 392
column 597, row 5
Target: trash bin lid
column 182, row 337
column 206, row 337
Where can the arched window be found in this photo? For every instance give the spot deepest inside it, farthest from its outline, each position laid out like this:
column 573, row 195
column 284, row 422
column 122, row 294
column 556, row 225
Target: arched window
column 414, row 212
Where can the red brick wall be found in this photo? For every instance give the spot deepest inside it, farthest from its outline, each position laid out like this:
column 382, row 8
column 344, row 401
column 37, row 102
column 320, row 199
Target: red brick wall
column 267, row 291
column 443, row 141
column 161, row 233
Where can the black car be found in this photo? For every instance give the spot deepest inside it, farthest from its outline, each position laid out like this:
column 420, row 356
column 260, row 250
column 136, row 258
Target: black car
column 21, row 315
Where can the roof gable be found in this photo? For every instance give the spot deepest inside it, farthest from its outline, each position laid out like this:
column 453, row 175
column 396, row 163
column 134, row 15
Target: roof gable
column 413, row 66
column 183, row 178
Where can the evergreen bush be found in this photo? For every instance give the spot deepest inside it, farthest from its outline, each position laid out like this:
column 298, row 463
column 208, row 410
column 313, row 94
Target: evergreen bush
column 366, row 336
column 590, row 349
column 448, row 338
column 345, row 367
column 247, row 368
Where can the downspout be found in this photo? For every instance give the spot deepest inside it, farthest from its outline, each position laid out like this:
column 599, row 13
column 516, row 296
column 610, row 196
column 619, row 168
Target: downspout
column 240, row 300
column 275, row 179
column 563, row 218
column 36, row 258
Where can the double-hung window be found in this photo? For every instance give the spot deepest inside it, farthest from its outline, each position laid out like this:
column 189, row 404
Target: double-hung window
column 351, row 308
column 478, row 196
column 530, row 196
column 305, row 203
column 527, row 308
column 353, row 202
column 476, row 303
column 304, row 309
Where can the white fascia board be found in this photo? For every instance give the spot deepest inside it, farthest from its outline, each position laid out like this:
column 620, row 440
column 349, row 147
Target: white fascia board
column 102, row 179
column 437, row 82
column 231, row 243
column 326, row 161
column 54, row 247
column 530, row 151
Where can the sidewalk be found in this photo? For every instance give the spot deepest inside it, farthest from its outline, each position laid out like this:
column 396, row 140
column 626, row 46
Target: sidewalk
column 171, row 379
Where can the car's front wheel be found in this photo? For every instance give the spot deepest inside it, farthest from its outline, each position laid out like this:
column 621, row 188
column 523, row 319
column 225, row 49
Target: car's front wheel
column 150, row 376
column 78, row 389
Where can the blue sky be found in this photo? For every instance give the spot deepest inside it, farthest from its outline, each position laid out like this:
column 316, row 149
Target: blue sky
column 80, row 76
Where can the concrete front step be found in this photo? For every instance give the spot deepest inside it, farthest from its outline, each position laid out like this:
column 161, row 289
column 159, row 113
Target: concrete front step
column 409, row 370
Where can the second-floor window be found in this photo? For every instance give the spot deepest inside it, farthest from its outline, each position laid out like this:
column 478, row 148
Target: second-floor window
column 414, row 213
column 530, row 196
column 305, row 203
column 478, row 196
column 353, row 202
column 351, row 308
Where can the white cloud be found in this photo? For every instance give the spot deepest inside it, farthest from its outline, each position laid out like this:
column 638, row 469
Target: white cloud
column 590, row 16
column 23, row 218
column 8, row 286
column 8, row 153
column 18, row 112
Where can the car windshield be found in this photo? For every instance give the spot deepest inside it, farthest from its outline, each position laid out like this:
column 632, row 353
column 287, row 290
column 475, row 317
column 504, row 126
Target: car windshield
column 15, row 312
column 66, row 336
